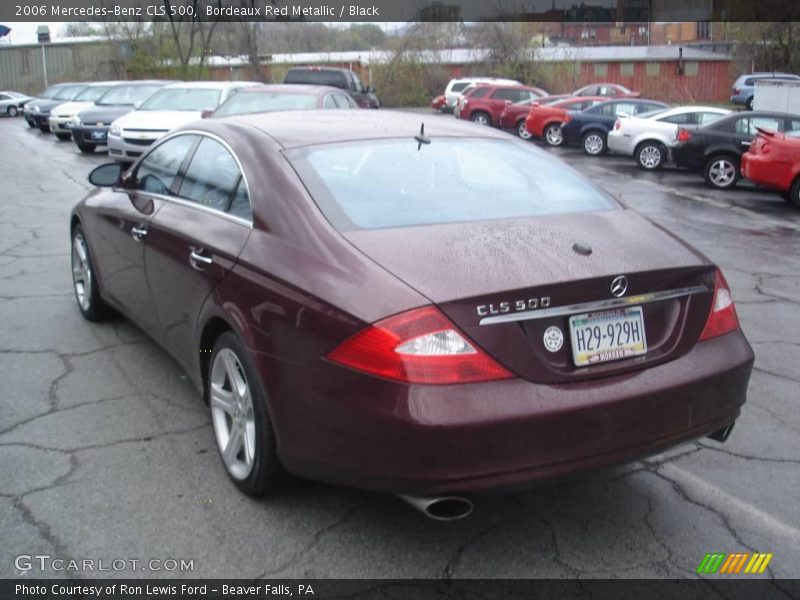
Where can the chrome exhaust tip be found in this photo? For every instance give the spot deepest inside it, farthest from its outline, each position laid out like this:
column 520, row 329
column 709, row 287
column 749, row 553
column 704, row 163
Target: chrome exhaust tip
column 441, row 508
column 723, row 434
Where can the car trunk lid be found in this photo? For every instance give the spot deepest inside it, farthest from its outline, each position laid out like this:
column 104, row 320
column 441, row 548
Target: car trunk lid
column 506, row 283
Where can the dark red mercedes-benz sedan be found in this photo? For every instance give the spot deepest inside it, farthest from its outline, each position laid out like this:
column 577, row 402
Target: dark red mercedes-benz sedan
column 427, row 311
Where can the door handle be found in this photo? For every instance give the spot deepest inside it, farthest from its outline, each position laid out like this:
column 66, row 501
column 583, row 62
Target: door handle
column 198, row 260
column 138, row 232
column 746, row 143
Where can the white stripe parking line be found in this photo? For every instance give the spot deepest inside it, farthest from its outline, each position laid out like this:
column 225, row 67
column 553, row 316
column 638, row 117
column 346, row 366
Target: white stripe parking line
column 712, row 495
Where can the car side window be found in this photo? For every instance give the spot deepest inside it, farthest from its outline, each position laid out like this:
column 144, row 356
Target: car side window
column 680, row 119
column 512, row 95
column 794, row 125
column 329, row 102
column 479, row 92
column 240, row 204
column 342, row 101
column 627, row 108
column 707, row 117
column 158, row 170
column 765, row 123
column 212, row 176
column 4, row 97
column 608, row 110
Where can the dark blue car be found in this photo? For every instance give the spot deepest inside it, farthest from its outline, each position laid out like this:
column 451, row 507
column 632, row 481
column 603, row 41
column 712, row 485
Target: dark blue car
column 590, row 127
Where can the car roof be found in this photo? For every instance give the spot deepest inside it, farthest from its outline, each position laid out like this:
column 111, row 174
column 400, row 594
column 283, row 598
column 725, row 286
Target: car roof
column 293, row 129
column 210, row 85
column 316, row 68
column 292, row 88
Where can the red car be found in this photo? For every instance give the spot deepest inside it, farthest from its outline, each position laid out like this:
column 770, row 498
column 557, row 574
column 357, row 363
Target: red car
column 438, row 102
column 606, row 90
column 513, row 116
column 773, row 161
column 426, row 312
column 545, row 120
column 484, row 104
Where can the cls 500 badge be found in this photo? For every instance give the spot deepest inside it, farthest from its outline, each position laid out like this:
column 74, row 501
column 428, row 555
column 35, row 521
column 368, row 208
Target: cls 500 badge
column 513, row 306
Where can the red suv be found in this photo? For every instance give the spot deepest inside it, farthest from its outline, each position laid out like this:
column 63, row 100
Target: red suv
column 484, row 104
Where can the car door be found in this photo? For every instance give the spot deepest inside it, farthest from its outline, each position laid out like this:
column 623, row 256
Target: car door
column 194, row 241
column 745, row 129
column 121, row 226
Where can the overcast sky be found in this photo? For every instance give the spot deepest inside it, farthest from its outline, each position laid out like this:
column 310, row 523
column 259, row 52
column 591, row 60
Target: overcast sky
column 25, row 33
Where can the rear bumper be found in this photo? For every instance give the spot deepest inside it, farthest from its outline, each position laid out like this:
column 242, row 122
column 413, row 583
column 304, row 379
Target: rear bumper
column 766, row 172
column 363, row 432
column 620, row 143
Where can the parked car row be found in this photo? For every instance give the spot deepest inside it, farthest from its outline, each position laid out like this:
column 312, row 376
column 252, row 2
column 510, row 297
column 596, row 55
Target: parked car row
column 129, row 116
column 602, row 118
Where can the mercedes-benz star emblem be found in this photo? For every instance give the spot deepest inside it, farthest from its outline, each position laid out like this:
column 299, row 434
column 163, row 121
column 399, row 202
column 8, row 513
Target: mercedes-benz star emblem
column 619, row 286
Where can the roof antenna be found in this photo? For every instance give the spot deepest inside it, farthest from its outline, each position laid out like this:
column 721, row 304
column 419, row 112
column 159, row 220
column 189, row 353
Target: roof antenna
column 421, row 139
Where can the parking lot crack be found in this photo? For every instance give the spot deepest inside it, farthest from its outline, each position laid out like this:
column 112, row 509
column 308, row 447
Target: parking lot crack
column 750, row 457
column 684, row 495
column 345, row 518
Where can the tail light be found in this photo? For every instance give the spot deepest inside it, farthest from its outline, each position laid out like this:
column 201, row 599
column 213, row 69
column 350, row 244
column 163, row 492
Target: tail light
column 684, row 135
column 722, row 319
column 567, row 118
column 765, row 147
column 617, row 124
column 737, row 91
column 417, row 346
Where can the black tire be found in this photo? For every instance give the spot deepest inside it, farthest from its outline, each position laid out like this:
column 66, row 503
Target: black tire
column 44, row 128
column 552, row 135
column 30, row 124
column 12, row 111
column 266, row 474
column 86, row 148
column 522, row 132
column 722, row 172
column 481, row 118
column 650, row 155
column 63, row 137
column 749, row 104
column 594, row 143
column 793, row 198
column 92, row 307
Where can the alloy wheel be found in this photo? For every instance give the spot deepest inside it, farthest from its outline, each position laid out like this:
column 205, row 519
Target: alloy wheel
column 722, row 173
column 522, row 131
column 650, row 157
column 13, row 111
column 232, row 414
column 81, row 272
column 553, row 135
column 480, row 119
column 593, row 144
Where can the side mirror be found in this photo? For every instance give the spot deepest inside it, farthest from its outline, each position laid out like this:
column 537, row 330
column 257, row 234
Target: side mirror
column 107, row 175
column 371, row 89
column 206, row 114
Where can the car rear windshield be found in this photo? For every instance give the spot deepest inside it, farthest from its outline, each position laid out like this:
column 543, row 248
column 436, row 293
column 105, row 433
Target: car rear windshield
column 457, row 87
column 242, row 104
column 316, row 77
column 128, row 95
column 399, row 183
column 92, row 93
column 197, row 99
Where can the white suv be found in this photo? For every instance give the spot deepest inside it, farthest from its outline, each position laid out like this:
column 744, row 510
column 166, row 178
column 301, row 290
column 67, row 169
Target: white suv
column 171, row 106
column 456, row 86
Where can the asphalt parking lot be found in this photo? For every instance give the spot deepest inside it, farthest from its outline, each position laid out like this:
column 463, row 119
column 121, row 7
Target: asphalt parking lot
column 107, row 451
